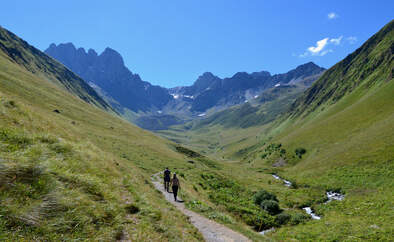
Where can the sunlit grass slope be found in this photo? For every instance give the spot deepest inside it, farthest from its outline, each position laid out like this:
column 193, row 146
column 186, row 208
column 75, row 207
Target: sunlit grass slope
column 345, row 122
column 217, row 132
column 20, row 52
column 70, row 170
column 78, row 173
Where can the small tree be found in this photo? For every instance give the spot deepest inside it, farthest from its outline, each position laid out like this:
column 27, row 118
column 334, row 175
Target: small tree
column 263, row 195
column 282, row 218
column 270, row 206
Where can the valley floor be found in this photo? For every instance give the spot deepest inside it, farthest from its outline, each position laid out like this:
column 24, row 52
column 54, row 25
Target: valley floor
column 211, row 231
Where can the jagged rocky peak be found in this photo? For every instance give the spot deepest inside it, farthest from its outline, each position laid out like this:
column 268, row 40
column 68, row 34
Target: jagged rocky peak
column 310, row 66
column 92, row 52
column 108, row 72
column 240, row 75
column 112, row 57
column 69, row 46
column 207, row 75
column 205, row 79
column 261, row 74
column 81, row 51
column 66, row 49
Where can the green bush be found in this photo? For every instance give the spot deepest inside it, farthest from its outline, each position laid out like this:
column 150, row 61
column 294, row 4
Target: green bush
column 282, row 219
column 298, row 218
column 263, row 195
column 259, row 221
column 270, row 206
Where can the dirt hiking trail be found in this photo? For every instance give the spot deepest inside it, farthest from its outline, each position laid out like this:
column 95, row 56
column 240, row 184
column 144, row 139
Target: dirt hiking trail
column 210, row 230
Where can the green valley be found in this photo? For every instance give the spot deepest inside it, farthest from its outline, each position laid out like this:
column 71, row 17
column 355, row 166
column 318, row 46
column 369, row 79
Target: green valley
column 337, row 136
column 71, row 168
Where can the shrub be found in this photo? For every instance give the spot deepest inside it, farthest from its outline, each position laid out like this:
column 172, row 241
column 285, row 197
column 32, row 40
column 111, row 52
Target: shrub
column 282, row 218
column 298, row 218
column 270, row 206
column 259, row 221
column 300, row 151
column 263, row 195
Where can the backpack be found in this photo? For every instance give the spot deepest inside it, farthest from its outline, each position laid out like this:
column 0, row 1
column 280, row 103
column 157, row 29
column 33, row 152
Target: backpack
column 167, row 174
column 175, row 182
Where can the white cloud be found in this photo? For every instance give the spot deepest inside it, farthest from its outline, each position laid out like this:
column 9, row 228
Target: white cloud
column 332, row 15
column 352, row 39
column 322, row 46
column 315, row 50
column 336, row 41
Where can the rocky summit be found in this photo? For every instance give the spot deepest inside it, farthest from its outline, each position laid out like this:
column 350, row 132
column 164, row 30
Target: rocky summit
column 108, row 72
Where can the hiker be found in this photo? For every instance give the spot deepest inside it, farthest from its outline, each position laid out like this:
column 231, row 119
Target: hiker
column 167, row 178
column 175, row 186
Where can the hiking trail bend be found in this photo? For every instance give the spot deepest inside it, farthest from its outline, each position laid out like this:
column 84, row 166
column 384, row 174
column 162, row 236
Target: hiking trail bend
column 210, row 230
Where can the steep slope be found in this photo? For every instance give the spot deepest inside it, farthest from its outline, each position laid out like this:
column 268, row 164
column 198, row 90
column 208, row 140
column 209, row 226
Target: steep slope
column 20, row 52
column 108, row 72
column 71, row 171
column 339, row 136
column 371, row 63
column 79, row 173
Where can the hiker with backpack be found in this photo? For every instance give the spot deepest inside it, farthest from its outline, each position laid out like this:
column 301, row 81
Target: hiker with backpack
column 167, row 178
column 175, row 186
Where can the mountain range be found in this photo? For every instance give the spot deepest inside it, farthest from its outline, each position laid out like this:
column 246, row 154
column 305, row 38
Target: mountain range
column 156, row 107
column 71, row 168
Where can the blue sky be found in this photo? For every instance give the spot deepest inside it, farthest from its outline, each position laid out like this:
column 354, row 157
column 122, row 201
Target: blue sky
column 171, row 43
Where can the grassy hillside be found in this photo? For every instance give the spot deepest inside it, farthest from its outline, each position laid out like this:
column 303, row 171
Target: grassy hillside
column 344, row 126
column 70, row 174
column 20, row 52
column 72, row 171
column 369, row 64
column 345, row 123
column 81, row 173
column 214, row 134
